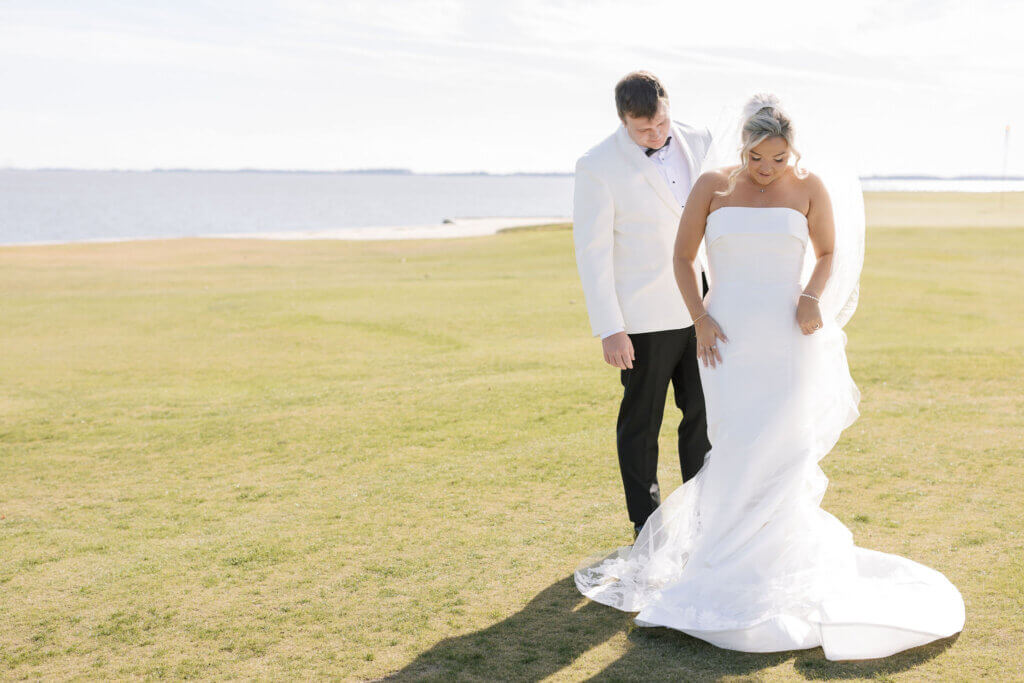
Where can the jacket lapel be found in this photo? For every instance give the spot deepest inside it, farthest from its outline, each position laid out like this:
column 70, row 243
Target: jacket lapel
column 639, row 160
column 691, row 158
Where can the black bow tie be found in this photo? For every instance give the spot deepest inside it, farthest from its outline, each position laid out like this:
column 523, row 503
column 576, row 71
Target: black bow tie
column 650, row 150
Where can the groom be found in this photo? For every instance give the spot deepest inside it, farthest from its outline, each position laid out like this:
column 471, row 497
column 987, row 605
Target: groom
column 629, row 195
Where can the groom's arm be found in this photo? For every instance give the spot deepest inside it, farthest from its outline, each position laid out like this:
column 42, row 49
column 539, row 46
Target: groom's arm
column 593, row 216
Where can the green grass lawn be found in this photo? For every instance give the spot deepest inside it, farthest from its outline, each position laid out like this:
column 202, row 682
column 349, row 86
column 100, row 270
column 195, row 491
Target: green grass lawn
column 239, row 459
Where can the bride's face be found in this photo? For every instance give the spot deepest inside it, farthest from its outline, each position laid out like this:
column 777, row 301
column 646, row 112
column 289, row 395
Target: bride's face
column 650, row 132
column 768, row 160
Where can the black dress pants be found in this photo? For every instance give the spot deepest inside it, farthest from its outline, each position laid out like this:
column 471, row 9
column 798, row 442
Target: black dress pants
column 661, row 357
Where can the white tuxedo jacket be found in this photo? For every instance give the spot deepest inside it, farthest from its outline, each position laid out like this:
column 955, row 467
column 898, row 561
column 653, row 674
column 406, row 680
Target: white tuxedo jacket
column 625, row 220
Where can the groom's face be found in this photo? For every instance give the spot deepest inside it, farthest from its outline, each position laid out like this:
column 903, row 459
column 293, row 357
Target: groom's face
column 650, row 132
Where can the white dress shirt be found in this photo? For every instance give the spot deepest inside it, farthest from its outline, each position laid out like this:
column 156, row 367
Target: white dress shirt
column 672, row 165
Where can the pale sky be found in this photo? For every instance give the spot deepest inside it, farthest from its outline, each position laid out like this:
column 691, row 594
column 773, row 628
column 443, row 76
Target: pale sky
column 915, row 86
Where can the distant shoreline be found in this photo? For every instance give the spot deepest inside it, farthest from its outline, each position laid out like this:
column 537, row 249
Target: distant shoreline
column 456, row 174
column 400, row 172
column 458, row 228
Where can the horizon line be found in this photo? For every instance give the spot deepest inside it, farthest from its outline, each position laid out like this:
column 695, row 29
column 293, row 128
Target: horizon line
column 406, row 171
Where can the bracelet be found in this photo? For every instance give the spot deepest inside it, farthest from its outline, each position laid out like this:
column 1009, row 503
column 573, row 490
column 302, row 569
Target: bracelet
column 699, row 317
column 811, row 296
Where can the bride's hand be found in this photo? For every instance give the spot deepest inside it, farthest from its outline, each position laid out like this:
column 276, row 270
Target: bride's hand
column 708, row 333
column 808, row 315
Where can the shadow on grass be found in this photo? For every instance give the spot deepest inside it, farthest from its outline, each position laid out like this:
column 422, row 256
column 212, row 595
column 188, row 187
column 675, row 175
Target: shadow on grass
column 559, row 625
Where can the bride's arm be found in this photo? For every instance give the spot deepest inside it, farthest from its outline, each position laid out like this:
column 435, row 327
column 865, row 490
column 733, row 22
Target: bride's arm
column 691, row 232
column 822, row 229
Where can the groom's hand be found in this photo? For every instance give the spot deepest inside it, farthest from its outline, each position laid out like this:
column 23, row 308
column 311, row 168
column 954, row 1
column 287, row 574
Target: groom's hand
column 618, row 350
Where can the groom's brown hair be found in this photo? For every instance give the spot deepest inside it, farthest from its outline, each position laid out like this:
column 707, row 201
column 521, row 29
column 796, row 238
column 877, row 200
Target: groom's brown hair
column 637, row 94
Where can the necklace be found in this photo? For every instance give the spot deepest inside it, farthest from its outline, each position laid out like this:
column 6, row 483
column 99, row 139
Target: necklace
column 770, row 183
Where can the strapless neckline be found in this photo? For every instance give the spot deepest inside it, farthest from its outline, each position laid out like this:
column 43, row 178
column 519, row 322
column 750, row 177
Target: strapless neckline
column 787, row 208
column 756, row 220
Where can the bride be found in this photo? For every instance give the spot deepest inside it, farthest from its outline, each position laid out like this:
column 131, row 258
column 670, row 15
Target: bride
column 742, row 555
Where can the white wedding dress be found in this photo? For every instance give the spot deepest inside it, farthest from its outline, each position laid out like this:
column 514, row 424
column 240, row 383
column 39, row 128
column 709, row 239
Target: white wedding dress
column 742, row 555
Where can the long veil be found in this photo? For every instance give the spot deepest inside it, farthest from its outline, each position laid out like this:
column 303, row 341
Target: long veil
column 820, row 156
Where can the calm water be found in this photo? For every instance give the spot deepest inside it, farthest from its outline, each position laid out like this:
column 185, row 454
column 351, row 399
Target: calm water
column 60, row 206
column 43, row 206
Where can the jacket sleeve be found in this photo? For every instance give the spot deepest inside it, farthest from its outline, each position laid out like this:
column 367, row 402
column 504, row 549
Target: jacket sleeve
column 593, row 215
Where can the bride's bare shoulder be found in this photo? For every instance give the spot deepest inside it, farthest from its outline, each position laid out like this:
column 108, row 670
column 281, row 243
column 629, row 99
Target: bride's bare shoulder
column 810, row 183
column 807, row 178
column 714, row 179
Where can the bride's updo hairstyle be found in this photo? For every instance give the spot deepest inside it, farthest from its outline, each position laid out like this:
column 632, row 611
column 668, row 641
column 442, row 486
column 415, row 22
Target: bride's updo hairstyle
column 763, row 118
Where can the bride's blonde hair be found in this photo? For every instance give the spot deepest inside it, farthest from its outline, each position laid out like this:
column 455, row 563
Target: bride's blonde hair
column 763, row 118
